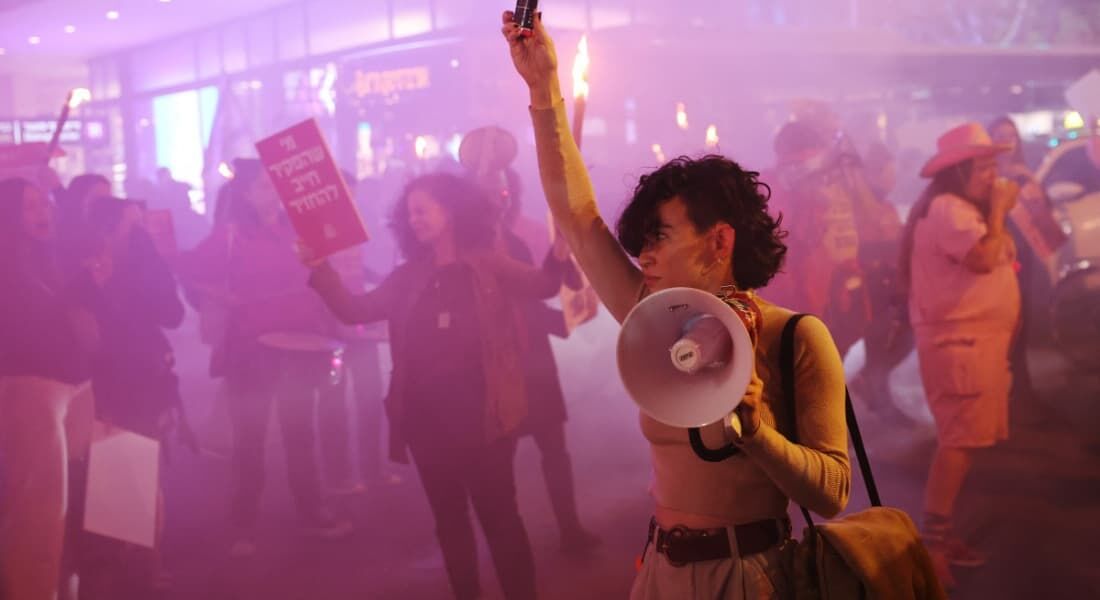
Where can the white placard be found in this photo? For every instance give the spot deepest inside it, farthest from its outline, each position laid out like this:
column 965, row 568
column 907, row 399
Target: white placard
column 123, row 472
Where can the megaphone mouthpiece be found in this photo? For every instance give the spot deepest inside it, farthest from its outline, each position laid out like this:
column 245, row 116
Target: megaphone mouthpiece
column 706, row 344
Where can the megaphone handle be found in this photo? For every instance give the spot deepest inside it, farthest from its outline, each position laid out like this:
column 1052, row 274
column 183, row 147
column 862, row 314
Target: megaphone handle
column 707, row 454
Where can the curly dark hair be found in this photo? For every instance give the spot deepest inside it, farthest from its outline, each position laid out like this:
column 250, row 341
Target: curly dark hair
column 715, row 190
column 469, row 209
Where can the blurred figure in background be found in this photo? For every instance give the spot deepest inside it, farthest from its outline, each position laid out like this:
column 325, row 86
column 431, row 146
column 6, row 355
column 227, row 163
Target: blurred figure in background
column 360, row 360
column 844, row 235
column 47, row 335
column 72, row 214
column 136, row 388
column 133, row 375
column 888, row 338
column 75, row 203
column 1032, row 212
column 964, row 302
column 881, row 171
column 823, row 275
column 546, row 403
column 276, row 348
column 456, row 398
column 175, row 197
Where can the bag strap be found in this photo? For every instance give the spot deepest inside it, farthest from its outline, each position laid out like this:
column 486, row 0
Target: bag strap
column 786, row 365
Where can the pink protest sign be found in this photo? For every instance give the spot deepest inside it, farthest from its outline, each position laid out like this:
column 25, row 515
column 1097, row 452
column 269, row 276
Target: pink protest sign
column 315, row 196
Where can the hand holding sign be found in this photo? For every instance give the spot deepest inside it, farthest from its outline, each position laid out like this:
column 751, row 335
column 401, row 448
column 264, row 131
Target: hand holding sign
column 315, row 195
column 306, row 254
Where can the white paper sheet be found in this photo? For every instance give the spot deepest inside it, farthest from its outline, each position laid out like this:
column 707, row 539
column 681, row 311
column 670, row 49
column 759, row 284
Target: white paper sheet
column 123, row 472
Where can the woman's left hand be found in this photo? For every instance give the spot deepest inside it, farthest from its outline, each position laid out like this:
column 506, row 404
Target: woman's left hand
column 748, row 411
column 306, row 255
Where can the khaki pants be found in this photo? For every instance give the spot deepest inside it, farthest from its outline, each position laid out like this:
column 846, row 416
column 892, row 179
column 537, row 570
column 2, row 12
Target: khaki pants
column 756, row 577
column 34, row 455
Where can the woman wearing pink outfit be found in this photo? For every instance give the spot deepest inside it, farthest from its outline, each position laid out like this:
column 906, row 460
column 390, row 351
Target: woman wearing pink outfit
column 964, row 303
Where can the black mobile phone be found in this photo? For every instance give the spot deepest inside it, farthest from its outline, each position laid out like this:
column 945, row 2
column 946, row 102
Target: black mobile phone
column 525, row 13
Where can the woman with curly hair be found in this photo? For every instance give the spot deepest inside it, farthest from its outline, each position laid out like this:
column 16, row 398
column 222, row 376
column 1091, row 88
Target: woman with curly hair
column 718, row 527
column 457, row 398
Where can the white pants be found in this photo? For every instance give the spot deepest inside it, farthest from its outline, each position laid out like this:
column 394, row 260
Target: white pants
column 34, row 455
column 756, row 577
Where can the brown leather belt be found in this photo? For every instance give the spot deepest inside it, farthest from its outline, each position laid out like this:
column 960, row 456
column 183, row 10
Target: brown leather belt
column 682, row 545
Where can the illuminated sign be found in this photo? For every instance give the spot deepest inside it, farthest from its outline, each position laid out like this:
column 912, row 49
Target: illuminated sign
column 42, row 131
column 386, row 83
column 7, row 133
column 76, row 131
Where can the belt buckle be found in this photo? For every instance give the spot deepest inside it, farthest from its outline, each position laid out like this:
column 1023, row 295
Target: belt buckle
column 676, row 533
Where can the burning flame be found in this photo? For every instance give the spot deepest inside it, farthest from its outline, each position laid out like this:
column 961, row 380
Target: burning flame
column 426, row 147
column 580, row 70
column 712, row 136
column 681, row 116
column 659, row 153
column 79, row 96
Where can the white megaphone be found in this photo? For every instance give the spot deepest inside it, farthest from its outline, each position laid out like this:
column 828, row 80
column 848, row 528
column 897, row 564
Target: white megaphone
column 685, row 357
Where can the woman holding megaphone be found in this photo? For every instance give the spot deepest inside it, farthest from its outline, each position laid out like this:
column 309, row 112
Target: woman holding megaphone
column 703, row 224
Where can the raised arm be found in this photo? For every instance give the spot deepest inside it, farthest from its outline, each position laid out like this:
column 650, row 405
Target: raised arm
column 524, row 280
column 565, row 181
column 352, row 309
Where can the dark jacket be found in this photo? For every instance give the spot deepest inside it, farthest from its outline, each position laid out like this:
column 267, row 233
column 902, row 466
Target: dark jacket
column 263, row 284
column 546, row 402
column 133, row 374
column 46, row 329
column 498, row 280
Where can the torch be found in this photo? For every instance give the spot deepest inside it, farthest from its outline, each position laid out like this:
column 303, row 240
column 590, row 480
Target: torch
column 73, row 101
column 580, row 89
column 582, row 305
column 712, row 138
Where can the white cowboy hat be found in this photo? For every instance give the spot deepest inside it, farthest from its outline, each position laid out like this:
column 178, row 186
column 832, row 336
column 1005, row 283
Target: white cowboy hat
column 963, row 143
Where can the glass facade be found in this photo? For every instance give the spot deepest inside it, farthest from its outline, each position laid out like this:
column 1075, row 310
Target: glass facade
column 395, row 81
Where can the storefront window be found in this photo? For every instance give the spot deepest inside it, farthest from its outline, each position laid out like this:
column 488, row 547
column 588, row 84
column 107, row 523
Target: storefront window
column 165, row 64
column 104, row 77
column 456, row 13
column 183, row 124
column 261, row 40
column 290, row 31
column 208, row 54
column 335, row 26
column 234, row 48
